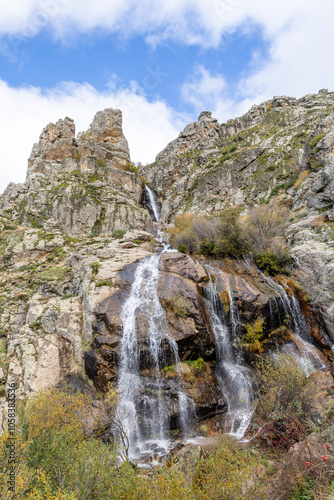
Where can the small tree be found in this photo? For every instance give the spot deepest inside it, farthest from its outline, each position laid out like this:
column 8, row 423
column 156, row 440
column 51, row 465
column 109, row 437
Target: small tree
column 264, row 228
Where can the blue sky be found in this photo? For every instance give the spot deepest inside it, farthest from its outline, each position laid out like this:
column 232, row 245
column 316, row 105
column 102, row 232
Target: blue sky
column 161, row 63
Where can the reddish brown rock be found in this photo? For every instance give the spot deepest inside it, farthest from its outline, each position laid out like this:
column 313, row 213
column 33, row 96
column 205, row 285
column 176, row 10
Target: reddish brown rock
column 184, row 299
column 183, row 265
column 55, row 143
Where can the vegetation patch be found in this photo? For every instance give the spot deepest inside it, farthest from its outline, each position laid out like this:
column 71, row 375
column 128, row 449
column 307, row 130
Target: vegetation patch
column 52, row 274
column 251, row 340
column 67, row 296
column 95, row 266
column 282, row 187
column 179, row 306
column 260, row 236
column 109, row 283
column 118, row 234
column 314, row 142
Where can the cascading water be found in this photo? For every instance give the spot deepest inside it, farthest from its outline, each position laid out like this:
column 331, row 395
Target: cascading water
column 153, row 422
column 153, row 203
column 234, row 377
column 305, row 353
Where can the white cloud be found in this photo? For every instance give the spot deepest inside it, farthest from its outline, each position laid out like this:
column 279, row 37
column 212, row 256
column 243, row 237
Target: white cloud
column 190, row 21
column 148, row 126
column 300, row 38
column 300, row 58
column 205, row 91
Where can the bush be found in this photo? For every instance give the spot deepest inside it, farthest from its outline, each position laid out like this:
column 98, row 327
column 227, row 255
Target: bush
column 229, row 473
column 261, row 236
column 118, row 234
column 182, row 248
column 95, row 266
column 251, row 340
column 272, row 264
column 207, row 247
column 198, row 364
column 265, row 227
column 184, row 234
column 286, row 401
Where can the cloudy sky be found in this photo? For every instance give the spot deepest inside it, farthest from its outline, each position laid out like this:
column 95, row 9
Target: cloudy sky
column 160, row 61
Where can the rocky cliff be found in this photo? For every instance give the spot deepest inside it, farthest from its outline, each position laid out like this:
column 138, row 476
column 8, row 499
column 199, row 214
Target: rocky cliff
column 281, row 151
column 79, row 185
column 73, row 234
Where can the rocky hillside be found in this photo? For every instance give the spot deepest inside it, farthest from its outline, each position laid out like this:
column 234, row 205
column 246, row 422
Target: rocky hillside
column 73, row 235
column 281, row 152
column 62, row 243
column 81, row 185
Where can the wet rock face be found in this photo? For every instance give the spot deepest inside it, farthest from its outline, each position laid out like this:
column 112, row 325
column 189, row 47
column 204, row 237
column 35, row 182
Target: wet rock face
column 185, row 307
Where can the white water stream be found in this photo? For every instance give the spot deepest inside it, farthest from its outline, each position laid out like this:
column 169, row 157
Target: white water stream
column 234, row 377
column 144, row 399
column 303, row 351
column 154, row 205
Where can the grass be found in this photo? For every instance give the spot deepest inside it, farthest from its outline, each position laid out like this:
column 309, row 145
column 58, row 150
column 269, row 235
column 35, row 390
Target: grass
column 106, row 283
column 284, row 186
column 67, row 296
column 118, row 234
column 315, row 140
column 3, row 349
column 54, row 274
column 197, row 364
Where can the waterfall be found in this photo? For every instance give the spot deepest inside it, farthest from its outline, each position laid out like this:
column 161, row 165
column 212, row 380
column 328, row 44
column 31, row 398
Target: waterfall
column 304, row 352
column 154, row 205
column 234, row 377
column 147, row 393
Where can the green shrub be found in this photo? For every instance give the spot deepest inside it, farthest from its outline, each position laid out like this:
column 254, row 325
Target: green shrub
column 260, row 235
column 37, row 224
column 131, row 168
column 198, row 364
column 207, row 247
column 67, row 296
column 105, row 283
column 118, row 234
column 182, row 248
column 95, row 266
column 315, row 140
column 272, row 264
column 251, row 340
column 100, row 163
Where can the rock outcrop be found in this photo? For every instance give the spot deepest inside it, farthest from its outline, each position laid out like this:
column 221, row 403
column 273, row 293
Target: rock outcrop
column 84, row 185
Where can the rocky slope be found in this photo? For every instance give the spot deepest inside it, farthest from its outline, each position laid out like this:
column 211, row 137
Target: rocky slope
column 79, row 186
column 281, row 151
column 72, row 236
